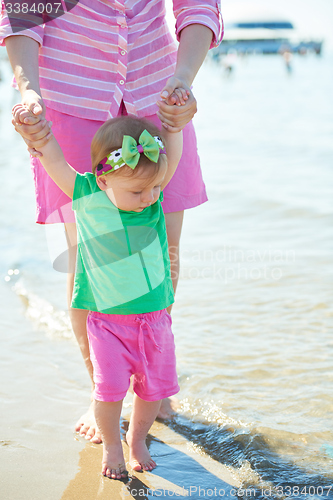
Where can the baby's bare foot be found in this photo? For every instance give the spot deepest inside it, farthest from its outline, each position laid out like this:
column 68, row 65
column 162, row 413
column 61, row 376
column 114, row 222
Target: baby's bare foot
column 86, row 426
column 139, row 456
column 113, row 465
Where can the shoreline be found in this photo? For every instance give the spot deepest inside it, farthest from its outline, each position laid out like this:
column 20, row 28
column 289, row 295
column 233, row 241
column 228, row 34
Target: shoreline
column 181, row 471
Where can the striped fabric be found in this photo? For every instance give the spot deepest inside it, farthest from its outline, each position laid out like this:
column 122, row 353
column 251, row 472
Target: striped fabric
column 104, row 51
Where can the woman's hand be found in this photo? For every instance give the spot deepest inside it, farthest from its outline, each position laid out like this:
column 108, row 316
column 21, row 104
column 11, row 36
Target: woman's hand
column 174, row 118
column 31, row 124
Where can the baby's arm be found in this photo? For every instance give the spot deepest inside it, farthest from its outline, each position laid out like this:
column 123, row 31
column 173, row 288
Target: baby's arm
column 174, row 147
column 174, row 140
column 53, row 159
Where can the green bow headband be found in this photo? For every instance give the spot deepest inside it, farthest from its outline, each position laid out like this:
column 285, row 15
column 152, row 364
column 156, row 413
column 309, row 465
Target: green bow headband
column 129, row 153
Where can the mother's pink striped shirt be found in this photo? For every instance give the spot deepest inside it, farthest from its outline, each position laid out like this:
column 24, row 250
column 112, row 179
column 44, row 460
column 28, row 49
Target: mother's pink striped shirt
column 102, row 52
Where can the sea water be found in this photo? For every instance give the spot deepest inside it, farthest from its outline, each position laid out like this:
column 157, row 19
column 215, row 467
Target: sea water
column 252, row 318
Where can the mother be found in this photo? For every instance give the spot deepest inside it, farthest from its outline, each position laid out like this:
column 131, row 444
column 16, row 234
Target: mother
column 101, row 59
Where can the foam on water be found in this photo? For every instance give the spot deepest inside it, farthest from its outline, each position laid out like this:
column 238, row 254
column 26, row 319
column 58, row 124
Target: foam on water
column 44, row 316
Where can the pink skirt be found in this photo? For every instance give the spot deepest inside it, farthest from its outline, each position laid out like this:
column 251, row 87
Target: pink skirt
column 185, row 190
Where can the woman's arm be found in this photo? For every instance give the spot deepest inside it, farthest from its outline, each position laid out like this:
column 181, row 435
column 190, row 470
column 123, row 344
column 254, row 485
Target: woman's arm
column 194, row 44
column 23, row 56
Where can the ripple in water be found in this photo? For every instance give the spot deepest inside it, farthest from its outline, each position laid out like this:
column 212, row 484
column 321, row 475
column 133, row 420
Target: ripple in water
column 261, row 458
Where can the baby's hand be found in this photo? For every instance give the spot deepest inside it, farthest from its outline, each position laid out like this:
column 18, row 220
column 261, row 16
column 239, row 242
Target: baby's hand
column 25, row 123
column 22, row 114
column 178, row 97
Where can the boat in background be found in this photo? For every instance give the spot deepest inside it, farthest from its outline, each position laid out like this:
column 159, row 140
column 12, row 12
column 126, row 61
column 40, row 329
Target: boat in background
column 254, row 28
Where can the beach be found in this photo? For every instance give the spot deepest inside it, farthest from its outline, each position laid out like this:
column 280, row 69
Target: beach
column 252, row 319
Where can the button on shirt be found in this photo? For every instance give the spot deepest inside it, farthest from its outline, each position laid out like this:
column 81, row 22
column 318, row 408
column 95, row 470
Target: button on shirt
column 102, row 52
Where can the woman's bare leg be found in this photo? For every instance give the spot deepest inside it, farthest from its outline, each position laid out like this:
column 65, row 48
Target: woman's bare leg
column 86, row 425
column 142, row 418
column 174, row 224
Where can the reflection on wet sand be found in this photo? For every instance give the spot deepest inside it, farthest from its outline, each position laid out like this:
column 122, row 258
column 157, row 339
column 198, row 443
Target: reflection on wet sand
column 177, row 460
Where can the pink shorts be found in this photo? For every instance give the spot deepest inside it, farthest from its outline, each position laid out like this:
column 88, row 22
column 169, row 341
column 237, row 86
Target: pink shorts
column 185, row 190
column 140, row 345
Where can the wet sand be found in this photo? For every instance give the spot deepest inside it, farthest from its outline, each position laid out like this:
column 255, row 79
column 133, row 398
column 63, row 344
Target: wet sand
column 180, row 471
column 42, row 458
column 39, row 451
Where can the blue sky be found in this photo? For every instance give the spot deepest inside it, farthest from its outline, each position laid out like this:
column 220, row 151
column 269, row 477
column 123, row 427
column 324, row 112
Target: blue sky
column 310, row 16
column 313, row 17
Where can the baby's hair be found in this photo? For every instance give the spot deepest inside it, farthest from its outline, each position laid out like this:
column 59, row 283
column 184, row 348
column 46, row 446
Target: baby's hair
column 109, row 137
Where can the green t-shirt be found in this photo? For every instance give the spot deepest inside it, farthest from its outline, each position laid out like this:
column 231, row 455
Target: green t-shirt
column 123, row 264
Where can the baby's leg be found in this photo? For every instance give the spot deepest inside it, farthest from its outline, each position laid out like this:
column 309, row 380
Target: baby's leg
column 107, row 417
column 142, row 418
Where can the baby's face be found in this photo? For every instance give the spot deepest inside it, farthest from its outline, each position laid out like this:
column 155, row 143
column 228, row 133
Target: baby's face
column 134, row 194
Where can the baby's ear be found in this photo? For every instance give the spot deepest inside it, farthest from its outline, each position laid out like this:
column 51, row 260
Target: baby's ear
column 101, row 182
